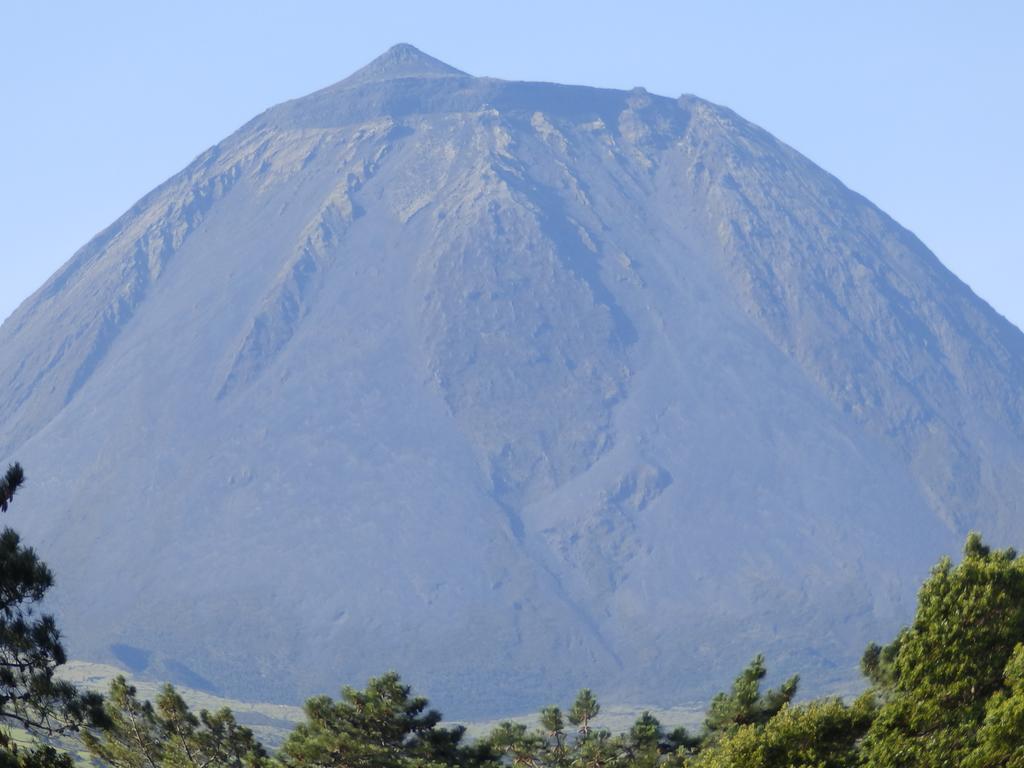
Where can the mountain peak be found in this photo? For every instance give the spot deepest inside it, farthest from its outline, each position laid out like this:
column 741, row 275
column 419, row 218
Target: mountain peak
column 610, row 387
column 401, row 61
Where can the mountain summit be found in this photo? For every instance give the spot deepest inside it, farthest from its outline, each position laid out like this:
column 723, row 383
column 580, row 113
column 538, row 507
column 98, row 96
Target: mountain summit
column 513, row 387
column 400, row 61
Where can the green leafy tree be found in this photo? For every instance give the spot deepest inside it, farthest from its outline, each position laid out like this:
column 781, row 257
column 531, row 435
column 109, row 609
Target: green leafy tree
column 682, row 742
column 31, row 650
column 552, row 723
column 518, row 745
column 226, row 743
column 935, row 681
column 1001, row 737
column 132, row 736
column 583, row 711
column 213, row 739
column 745, row 704
column 599, row 749
column 878, row 664
column 381, row 727
column 550, row 747
column 645, row 742
column 822, row 734
column 169, row 735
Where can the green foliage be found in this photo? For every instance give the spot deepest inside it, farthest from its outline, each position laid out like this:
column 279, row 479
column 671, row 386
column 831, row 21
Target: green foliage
column 519, row 747
column 9, row 485
column 745, row 704
column 38, row 756
column 583, row 710
column 169, row 735
column 682, row 741
column 599, row 749
column 939, row 675
column 822, row 734
column 1000, row 742
column 381, row 727
column 878, row 663
column 132, row 737
column 551, row 747
column 13, row 755
column 645, row 742
column 553, row 723
column 643, row 746
column 31, row 650
column 645, row 732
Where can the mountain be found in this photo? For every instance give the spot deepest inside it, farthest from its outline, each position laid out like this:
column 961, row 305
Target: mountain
column 513, row 387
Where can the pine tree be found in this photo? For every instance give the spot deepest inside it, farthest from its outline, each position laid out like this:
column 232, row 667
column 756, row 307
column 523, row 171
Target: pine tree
column 518, row 745
column 381, row 727
column 132, row 736
column 31, row 649
column 599, row 749
column 168, row 735
column 1001, row 737
column 552, row 723
column 583, row 710
column 645, row 742
column 745, row 704
column 822, row 734
column 935, row 682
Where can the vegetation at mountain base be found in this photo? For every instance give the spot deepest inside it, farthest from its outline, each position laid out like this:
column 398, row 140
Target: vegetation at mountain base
column 947, row 691
column 30, row 652
column 383, row 726
column 946, row 684
column 141, row 735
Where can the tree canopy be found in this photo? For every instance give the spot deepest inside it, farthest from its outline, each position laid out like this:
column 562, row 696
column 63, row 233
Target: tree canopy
column 937, row 680
column 31, row 649
column 168, row 735
column 384, row 726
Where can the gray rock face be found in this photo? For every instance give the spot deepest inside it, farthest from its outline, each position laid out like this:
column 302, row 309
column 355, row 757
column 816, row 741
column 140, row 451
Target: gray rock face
column 513, row 387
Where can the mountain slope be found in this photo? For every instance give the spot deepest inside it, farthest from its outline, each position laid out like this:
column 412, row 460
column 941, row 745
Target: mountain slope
column 511, row 386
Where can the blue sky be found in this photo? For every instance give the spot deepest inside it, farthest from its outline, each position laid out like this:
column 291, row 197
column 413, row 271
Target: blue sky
column 916, row 105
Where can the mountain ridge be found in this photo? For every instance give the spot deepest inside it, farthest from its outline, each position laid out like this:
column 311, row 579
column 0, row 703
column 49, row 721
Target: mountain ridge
column 512, row 386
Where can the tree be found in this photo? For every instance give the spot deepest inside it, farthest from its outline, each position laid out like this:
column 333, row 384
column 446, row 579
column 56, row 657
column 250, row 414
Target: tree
column 745, row 704
column 132, row 736
column 550, row 747
column 599, row 749
column 169, row 735
column 583, row 710
column 935, row 681
column 645, row 742
column 552, row 723
column 1001, row 737
column 822, row 734
column 381, row 727
column 31, row 649
column 520, row 747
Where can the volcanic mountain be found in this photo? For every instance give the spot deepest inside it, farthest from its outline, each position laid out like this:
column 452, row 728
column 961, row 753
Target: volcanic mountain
column 513, row 387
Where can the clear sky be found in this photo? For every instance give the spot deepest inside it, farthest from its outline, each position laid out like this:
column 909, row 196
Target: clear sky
column 917, row 105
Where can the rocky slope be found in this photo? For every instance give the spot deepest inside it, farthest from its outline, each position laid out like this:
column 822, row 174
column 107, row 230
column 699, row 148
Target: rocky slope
column 512, row 387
